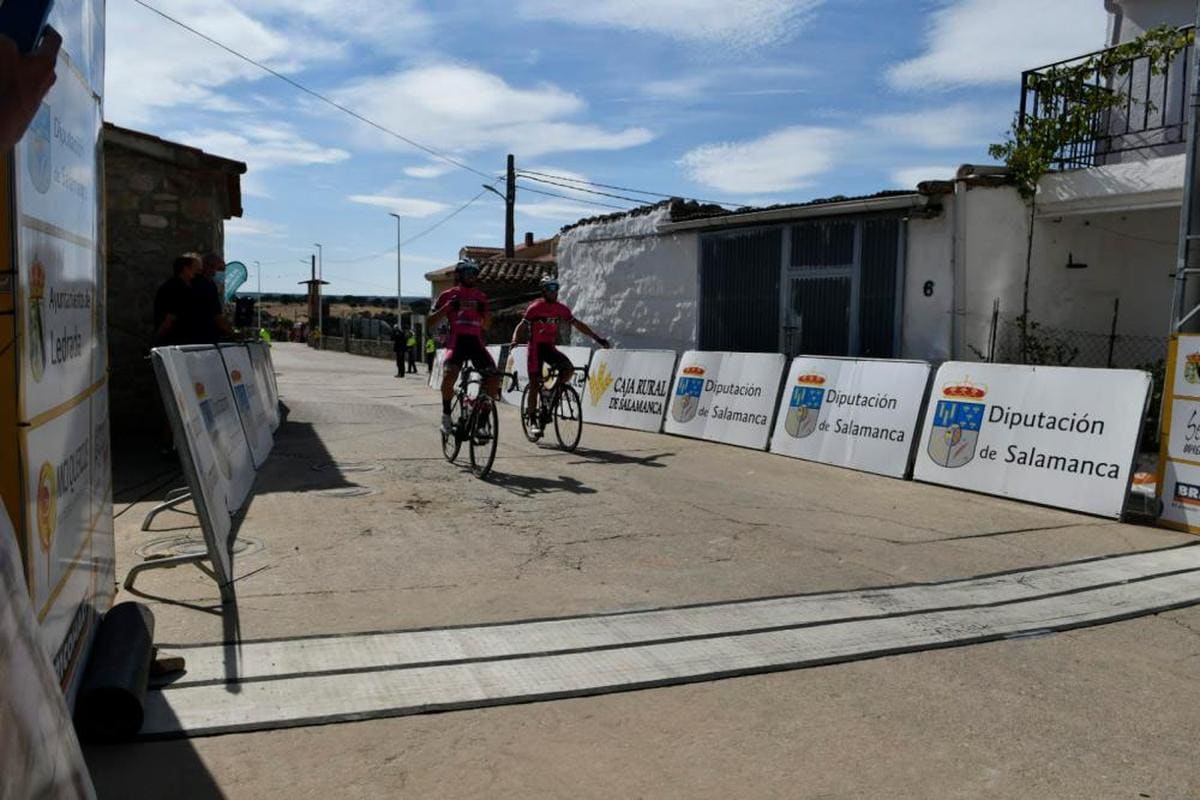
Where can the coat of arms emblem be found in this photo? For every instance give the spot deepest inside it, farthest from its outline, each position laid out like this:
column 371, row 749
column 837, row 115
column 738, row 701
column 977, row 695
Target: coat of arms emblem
column 957, row 420
column 1191, row 368
column 688, row 389
column 37, row 150
column 804, row 408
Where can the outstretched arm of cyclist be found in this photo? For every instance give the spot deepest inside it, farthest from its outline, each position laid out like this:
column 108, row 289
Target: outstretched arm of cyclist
column 522, row 327
column 582, row 327
column 438, row 315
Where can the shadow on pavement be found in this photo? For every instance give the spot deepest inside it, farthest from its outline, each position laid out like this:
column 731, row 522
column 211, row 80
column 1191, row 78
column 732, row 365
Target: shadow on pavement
column 589, row 456
column 150, row 770
column 530, row 485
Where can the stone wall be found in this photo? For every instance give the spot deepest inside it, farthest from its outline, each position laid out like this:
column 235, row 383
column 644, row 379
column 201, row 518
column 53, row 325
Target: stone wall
column 155, row 210
column 359, row 347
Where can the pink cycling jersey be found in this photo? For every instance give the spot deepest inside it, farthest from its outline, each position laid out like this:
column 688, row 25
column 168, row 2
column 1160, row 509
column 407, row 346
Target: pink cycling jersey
column 467, row 319
column 544, row 317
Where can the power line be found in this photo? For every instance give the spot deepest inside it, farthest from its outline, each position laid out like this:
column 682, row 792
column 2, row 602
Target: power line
column 637, row 200
column 568, row 197
column 569, row 179
column 443, row 220
column 424, row 148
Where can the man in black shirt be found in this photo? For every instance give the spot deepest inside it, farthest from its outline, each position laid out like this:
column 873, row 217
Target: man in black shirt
column 176, row 315
column 214, row 325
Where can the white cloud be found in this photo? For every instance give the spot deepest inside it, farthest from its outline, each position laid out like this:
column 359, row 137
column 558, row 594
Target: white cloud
column 464, row 109
column 739, row 25
column 973, row 42
column 429, row 170
column 390, row 26
column 245, row 226
column 784, row 159
column 404, row 206
column 909, row 177
column 152, row 64
column 562, row 210
column 263, row 146
column 953, row 126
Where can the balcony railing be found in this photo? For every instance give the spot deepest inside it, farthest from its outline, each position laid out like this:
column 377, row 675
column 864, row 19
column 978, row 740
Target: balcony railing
column 1148, row 122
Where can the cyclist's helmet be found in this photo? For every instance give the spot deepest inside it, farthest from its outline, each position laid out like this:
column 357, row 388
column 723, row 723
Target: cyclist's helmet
column 466, row 267
column 549, row 284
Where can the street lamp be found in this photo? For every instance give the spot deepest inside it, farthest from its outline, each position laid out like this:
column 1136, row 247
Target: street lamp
column 320, row 305
column 258, row 303
column 399, row 297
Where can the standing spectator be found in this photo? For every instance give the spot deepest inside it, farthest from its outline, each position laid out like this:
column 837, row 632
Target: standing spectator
column 430, row 352
column 410, row 347
column 215, row 325
column 399, row 345
column 177, row 317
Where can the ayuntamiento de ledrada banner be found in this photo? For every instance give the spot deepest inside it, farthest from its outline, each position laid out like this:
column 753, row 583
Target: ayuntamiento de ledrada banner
column 861, row 414
column 1060, row 436
column 725, row 397
column 62, row 348
column 629, row 388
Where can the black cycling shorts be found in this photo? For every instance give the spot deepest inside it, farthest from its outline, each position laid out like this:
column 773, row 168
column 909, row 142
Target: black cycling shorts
column 545, row 353
column 470, row 348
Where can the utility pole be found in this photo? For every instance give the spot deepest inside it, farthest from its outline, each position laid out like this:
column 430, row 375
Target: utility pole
column 510, row 202
column 320, row 277
column 399, row 296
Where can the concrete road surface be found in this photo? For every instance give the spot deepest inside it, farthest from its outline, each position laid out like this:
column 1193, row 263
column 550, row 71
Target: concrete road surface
column 358, row 524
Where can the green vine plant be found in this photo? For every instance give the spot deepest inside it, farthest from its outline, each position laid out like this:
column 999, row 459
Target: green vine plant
column 1072, row 108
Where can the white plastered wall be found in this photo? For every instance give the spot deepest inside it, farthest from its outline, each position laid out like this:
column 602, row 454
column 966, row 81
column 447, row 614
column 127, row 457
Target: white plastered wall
column 632, row 285
column 928, row 318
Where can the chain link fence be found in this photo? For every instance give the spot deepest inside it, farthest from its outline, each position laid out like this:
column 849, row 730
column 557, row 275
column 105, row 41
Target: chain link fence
column 1010, row 342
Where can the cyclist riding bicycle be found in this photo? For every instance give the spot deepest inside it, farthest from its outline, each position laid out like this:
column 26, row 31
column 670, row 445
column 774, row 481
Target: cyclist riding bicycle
column 465, row 306
column 543, row 318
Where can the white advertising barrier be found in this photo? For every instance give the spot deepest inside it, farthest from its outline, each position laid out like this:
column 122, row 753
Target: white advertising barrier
column 510, row 392
column 205, row 473
column 439, row 368
column 252, row 400
column 581, row 358
column 629, row 388
column 856, row 413
column 211, row 403
column 264, row 369
column 39, row 754
column 725, row 397
column 1059, row 436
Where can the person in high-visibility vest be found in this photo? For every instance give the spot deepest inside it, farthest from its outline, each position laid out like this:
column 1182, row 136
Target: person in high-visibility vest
column 411, row 347
column 264, row 335
column 430, row 350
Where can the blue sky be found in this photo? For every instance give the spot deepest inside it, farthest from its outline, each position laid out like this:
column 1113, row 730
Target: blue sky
column 747, row 101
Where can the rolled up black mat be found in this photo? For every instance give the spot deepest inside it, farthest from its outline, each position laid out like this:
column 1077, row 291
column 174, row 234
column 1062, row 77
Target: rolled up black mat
column 109, row 706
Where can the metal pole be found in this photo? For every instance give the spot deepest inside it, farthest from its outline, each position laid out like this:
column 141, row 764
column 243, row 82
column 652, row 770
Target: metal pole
column 399, row 296
column 1187, row 262
column 320, row 305
column 510, row 201
column 258, row 302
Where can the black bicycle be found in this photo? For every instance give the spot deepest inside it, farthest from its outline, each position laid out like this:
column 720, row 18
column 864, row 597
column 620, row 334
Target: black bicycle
column 474, row 421
column 558, row 405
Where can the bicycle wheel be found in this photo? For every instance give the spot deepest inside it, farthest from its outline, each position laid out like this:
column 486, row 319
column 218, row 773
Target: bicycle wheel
column 568, row 418
column 484, row 429
column 523, row 411
column 450, row 441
